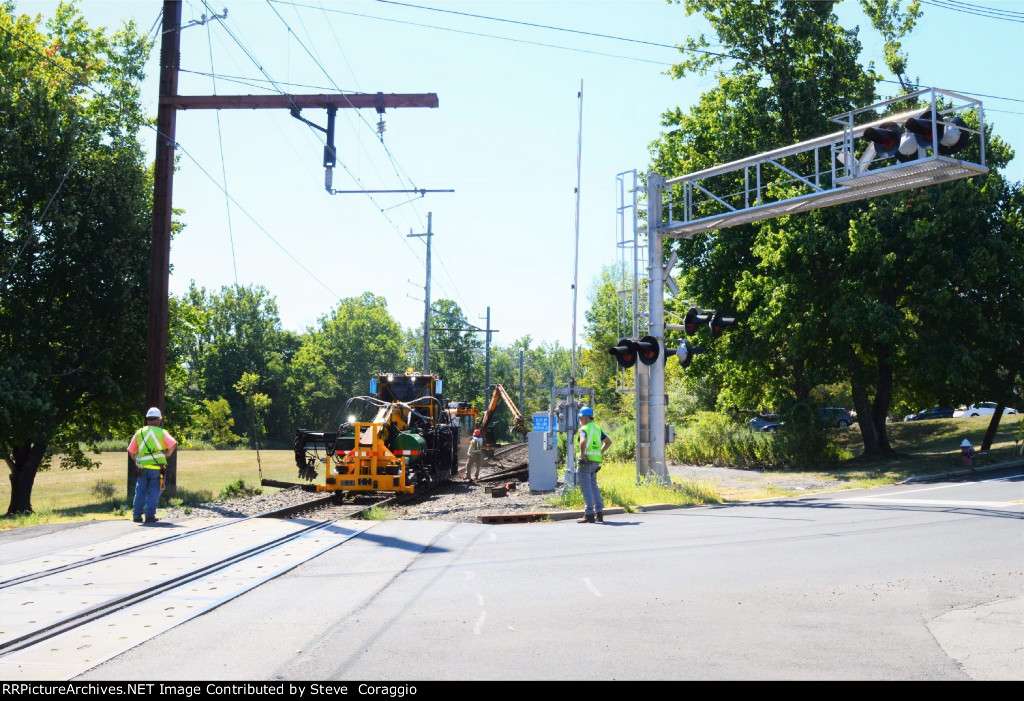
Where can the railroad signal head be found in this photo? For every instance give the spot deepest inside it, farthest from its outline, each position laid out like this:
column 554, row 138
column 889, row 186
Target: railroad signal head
column 648, row 349
column 684, row 352
column 885, row 137
column 951, row 133
column 625, row 353
column 720, row 323
column 695, row 318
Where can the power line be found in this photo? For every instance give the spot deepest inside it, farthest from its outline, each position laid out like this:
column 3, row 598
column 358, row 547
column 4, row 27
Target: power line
column 479, row 34
column 978, row 10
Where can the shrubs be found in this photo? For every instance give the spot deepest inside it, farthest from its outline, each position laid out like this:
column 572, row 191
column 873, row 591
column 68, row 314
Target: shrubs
column 710, row 438
column 239, row 490
column 103, row 490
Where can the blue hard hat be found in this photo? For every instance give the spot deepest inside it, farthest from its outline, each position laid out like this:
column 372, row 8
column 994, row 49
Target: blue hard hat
column 587, row 411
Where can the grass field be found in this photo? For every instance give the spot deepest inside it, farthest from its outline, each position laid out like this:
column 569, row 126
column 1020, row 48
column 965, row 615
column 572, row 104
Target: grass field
column 923, row 448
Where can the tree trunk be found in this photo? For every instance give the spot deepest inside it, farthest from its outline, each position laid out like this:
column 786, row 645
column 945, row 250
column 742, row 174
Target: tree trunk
column 993, row 426
column 883, row 398
column 871, row 415
column 865, row 422
column 27, row 459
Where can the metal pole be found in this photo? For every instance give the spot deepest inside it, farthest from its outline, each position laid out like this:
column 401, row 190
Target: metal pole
column 655, row 184
column 426, row 297
column 570, row 435
column 521, row 381
column 426, row 312
column 487, row 356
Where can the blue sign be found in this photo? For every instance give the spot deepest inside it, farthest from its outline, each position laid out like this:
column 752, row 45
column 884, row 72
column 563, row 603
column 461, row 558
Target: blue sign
column 541, row 422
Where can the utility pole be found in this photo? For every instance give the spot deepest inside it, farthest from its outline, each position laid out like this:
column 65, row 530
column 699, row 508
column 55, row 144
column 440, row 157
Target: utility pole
column 570, row 411
column 487, row 355
column 163, row 180
column 520, row 380
column 160, row 240
column 426, row 291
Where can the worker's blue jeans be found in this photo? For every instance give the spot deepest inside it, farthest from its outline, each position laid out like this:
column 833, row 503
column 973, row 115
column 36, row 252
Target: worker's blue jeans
column 586, row 473
column 147, row 493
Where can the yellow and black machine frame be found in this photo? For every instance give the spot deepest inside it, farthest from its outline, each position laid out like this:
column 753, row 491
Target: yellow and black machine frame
column 399, row 438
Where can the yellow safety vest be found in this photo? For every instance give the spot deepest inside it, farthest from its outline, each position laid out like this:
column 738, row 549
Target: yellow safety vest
column 150, row 442
column 593, row 451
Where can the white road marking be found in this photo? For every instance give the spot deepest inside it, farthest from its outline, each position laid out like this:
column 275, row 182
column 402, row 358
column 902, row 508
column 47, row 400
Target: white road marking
column 937, row 502
column 591, row 587
column 930, row 502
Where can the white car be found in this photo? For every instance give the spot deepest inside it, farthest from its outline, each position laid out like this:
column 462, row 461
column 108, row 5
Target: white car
column 981, row 409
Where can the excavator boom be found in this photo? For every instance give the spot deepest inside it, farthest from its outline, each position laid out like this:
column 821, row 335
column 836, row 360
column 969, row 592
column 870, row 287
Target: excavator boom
column 518, row 421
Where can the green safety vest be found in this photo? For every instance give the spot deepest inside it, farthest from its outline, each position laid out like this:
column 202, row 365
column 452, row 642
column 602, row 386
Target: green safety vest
column 150, row 442
column 593, row 450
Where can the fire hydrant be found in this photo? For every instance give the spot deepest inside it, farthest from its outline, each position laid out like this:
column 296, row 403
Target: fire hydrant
column 967, row 453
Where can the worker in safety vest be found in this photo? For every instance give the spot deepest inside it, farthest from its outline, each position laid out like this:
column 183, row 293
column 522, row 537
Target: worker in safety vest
column 593, row 443
column 474, row 456
column 149, row 448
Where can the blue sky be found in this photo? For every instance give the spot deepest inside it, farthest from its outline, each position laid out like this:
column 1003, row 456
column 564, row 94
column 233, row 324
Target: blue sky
column 505, row 138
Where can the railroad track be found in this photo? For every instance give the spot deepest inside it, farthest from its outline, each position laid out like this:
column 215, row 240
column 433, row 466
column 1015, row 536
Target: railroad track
column 62, row 598
column 56, row 603
column 86, row 604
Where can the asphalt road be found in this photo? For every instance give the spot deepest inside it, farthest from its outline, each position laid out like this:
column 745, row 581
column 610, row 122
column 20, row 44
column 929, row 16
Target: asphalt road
column 909, row 582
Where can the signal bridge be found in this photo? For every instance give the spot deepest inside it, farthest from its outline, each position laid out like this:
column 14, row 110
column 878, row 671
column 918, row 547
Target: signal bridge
column 895, row 145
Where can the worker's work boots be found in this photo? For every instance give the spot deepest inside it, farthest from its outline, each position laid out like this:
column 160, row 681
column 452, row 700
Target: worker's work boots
column 589, row 518
column 600, row 517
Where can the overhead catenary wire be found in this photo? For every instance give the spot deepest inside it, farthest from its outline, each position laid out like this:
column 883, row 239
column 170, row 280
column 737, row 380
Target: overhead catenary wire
column 223, row 166
column 278, row 88
column 398, row 170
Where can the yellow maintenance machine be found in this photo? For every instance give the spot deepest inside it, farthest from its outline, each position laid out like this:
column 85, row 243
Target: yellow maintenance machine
column 399, row 438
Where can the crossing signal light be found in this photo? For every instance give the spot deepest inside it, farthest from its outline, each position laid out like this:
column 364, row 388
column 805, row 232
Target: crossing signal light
column 625, row 353
column 951, row 133
column 885, row 137
column 695, row 318
column 720, row 323
column 684, row 352
column 906, row 144
column 648, row 349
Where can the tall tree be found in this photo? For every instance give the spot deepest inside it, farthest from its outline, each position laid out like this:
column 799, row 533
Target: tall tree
column 74, row 238
column 608, row 319
column 226, row 335
column 456, row 352
column 838, row 293
column 336, row 361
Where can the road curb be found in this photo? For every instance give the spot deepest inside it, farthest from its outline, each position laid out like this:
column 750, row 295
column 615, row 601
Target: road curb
column 964, row 473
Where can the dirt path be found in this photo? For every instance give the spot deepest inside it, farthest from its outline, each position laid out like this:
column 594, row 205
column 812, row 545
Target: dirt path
column 737, row 484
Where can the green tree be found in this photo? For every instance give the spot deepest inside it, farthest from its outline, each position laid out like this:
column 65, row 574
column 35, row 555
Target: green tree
column 74, row 239
column 335, row 362
column 258, row 404
column 214, row 423
column 861, row 293
column 608, row 319
column 456, row 352
column 220, row 337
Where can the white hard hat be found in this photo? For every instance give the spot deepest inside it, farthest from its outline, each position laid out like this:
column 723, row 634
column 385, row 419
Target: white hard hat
column 965, row 444
column 154, row 413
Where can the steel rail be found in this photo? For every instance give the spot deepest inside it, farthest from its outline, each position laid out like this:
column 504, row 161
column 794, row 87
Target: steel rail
column 106, row 608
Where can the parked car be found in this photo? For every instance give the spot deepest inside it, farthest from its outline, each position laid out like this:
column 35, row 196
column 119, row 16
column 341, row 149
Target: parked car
column 980, row 409
column 936, row 412
column 765, row 422
column 836, row 416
